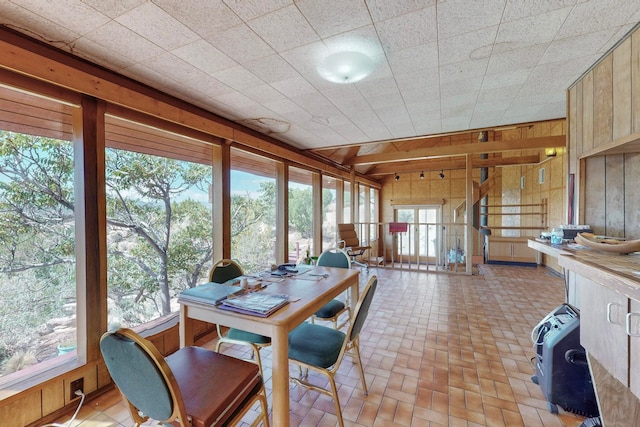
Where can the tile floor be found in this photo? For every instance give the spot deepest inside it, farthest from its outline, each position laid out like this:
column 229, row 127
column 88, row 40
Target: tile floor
column 438, row 349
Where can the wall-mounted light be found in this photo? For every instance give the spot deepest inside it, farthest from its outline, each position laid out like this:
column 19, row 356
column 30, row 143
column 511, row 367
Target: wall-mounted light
column 397, row 177
column 421, row 175
column 441, row 174
column 550, row 152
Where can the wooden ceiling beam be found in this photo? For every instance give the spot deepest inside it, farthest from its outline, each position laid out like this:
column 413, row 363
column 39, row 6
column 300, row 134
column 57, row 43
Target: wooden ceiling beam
column 450, row 164
column 460, row 150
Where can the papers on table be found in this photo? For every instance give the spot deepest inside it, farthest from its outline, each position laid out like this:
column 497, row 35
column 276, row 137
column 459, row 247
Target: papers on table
column 255, row 303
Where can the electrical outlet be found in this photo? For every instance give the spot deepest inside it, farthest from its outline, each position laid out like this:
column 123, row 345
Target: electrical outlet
column 75, row 386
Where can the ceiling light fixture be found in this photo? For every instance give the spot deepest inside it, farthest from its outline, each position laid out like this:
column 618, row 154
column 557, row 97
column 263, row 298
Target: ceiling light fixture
column 346, row 67
column 441, row 174
column 421, row 175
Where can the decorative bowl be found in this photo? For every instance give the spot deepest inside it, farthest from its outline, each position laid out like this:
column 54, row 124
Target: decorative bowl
column 608, row 245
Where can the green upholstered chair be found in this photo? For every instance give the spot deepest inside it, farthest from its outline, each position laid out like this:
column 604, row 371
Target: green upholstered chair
column 322, row 349
column 193, row 386
column 331, row 312
column 221, row 272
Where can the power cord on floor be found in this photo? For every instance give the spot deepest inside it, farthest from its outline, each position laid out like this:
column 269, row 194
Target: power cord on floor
column 75, row 414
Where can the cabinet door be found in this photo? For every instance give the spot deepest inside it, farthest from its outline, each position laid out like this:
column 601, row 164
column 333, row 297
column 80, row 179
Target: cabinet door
column 602, row 326
column 523, row 253
column 500, row 251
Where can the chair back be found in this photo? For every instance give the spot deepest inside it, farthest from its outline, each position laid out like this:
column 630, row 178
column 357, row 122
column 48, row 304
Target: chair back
column 362, row 308
column 225, row 269
column 334, row 257
column 142, row 375
column 347, row 233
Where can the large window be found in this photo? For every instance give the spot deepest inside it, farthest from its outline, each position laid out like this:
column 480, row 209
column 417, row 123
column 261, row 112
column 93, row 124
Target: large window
column 37, row 231
column 329, row 212
column 159, row 220
column 346, row 216
column 253, row 210
column 300, row 214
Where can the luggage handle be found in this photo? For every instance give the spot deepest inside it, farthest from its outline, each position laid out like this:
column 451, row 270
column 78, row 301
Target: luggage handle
column 576, row 357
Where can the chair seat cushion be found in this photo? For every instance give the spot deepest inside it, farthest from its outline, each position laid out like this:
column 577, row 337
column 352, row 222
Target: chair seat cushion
column 331, row 309
column 210, row 401
column 240, row 335
column 315, row 345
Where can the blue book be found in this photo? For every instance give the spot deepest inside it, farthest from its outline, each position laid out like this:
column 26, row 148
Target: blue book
column 210, row 293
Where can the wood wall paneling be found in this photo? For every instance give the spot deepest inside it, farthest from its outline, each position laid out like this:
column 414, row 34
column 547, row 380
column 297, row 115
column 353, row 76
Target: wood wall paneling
column 595, row 194
column 587, row 111
column 614, row 195
column 635, row 81
column 603, row 101
column 579, row 120
column 621, row 105
column 632, row 196
column 22, row 411
column 52, row 396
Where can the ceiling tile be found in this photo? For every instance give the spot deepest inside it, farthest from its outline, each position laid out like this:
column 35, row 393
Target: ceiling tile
column 204, row 56
column 113, row 9
column 385, row 9
column 587, row 17
column 472, row 45
column 202, row 17
column 251, row 9
column 456, row 17
column 414, row 58
column 237, row 78
column 284, row 29
column 271, row 68
column 331, row 17
column 114, row 36
column 531, row 31
column 408, row 30
column 71, row 14
column 241, row 44
column 158, row 26
column 518, row 9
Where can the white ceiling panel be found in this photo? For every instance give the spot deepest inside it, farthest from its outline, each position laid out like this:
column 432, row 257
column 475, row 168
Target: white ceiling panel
column 440, row 66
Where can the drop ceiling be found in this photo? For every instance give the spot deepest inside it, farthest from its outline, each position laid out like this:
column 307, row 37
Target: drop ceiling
column 441, row 66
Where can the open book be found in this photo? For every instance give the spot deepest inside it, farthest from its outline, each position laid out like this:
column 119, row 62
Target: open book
column 255, row 303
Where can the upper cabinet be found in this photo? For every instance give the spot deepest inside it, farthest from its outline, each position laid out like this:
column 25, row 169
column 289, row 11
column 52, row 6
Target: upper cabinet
column 604, row 142
column 604, row 105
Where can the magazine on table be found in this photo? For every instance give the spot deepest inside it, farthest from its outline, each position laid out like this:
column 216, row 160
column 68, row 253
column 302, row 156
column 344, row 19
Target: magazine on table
column 210, row 293
column 255, row 303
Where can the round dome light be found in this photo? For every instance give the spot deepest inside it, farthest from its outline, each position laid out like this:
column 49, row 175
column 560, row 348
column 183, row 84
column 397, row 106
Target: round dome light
column 346, row 67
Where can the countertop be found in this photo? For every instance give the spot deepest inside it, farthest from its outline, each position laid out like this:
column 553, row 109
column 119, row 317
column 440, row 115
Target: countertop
column 618, row 272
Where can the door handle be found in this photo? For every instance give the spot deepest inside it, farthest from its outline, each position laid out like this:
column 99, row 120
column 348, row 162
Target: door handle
column 609, row 310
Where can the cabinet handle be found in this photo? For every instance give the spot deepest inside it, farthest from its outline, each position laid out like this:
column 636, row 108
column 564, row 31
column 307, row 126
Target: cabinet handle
column 628, row 322
column 611, row 304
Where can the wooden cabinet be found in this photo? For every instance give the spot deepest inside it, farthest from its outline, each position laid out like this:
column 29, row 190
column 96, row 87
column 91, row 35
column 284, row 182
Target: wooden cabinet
column 510, row 249
column 602, row 326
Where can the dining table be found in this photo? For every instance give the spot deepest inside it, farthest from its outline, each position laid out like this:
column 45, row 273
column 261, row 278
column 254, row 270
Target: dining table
column 309, row 289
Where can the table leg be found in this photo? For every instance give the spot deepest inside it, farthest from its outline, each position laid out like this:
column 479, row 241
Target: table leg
column 355, row 294
column 280, row 377
column 186, row 327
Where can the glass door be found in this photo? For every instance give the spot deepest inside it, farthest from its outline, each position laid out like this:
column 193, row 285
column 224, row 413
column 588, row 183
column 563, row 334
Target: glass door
column 421, row 243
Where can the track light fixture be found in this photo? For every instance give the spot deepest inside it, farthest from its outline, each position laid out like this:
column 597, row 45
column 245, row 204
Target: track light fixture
column 421, row 175
column 441, row 174
column 397, row 177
